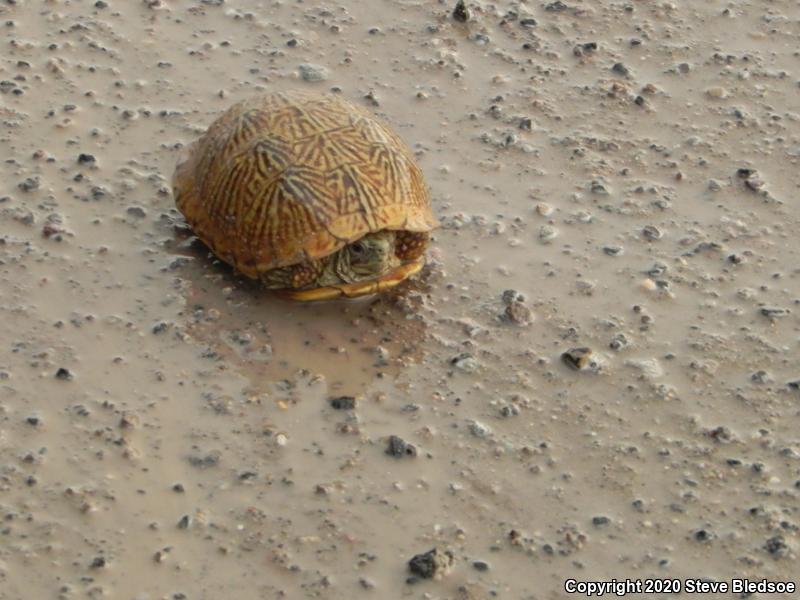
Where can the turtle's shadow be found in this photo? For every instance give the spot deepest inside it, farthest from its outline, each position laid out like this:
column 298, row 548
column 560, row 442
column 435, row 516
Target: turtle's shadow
column 350, row 341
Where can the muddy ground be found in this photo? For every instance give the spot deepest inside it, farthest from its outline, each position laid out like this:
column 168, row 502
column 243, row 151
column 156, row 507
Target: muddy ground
column 622, row 174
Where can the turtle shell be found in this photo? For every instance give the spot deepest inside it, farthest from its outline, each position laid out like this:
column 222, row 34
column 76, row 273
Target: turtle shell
column 285, row 177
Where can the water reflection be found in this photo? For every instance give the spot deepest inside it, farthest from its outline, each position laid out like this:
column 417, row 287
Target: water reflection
column 266, row 338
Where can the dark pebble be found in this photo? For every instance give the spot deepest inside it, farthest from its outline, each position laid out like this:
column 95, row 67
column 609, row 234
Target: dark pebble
column 343, row 403
column 431, row 564
column 556, row 6
column 511, row 296
column 63, row 374
column 703, row 535
column 600, row 521
column 29, row 185
column 621, row 69
column 98, row 563
column 774, row 313
column 461, row 12
column 203, row 462
column 480, row 565
column 776, row 546
column 86, row 158
column 745, row 173
column 399, row 448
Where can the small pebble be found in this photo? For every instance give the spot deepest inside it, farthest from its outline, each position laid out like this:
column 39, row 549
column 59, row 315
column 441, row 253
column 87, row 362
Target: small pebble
column 518, row 314
column 312, row 73
column 577, row 358
column 478, row 429
column 703, row 535
column 366, row 583
column 774, row 312
column 557, row 6
column 465, row 362
column 510, row 296
column 754, row 183
column 343, row 402
column 621, row 69
column 480, row 565
column 717, row 93
column 652, row 233
column 400, row 448
column 434, row 564
column 547, row 233
column 599, row 188
column 64, row 374
column 618, row 342
column 29, row 185
column 461, row 13
column 777, row 546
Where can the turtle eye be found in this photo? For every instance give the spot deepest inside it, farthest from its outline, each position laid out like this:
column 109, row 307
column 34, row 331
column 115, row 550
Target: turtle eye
column 357, row 248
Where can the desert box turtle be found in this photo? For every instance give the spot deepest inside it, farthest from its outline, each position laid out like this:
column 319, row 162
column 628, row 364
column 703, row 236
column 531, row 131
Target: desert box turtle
column 309, row 194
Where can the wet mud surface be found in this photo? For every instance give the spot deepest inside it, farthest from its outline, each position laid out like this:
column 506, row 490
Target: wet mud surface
column 595, row 376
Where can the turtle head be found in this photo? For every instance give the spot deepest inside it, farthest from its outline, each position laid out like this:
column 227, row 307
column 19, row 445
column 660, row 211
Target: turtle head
column 365, row 266
column 370, row 256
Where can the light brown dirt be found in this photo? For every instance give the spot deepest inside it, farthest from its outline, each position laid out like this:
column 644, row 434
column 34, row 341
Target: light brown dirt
column 674, row 455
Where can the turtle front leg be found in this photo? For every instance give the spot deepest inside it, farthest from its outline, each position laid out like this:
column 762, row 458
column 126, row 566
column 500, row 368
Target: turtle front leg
column 294, row 277
column 410, row 245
